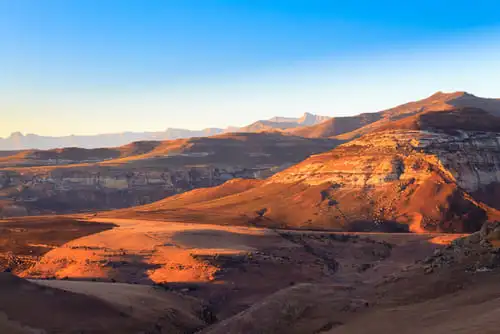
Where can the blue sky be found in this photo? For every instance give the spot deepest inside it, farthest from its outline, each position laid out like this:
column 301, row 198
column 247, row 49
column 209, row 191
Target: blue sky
column 94, row 66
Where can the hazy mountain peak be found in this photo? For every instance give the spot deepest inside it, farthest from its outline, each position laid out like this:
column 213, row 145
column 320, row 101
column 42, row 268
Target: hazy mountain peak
column 280, row 119
column 311, row 119
column 15, row 135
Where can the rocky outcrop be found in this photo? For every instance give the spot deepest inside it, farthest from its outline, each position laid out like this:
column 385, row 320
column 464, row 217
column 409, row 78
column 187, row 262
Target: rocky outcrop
column 477, row 252
column 419, row 175
column 397, row 172
column 101, row 188
column 471, row 159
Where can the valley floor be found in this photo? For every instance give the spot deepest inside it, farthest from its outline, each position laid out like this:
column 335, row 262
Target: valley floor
column 170, row 277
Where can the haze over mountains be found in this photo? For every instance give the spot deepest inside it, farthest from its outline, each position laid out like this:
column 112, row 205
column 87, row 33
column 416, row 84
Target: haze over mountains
column 19, row 141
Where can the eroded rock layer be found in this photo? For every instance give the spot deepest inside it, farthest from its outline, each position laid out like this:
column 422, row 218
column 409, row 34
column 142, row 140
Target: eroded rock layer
column 429, row 172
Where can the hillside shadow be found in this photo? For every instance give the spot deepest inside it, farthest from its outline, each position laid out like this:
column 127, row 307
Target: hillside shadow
column 386, row 226
column 53, row 309
column 218, row 239
column 489, row 195
column 131, row 268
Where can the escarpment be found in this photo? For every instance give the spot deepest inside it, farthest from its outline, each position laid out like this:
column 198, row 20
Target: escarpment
column 425, row 174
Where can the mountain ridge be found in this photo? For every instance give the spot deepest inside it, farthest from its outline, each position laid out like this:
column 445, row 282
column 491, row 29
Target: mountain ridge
column 351, row 127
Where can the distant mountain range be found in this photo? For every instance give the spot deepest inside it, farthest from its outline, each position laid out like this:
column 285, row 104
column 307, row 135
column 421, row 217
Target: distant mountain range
column 19, row 141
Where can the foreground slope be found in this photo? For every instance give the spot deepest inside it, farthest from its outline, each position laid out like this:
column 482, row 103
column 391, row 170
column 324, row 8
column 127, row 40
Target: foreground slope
column 383, row 180
column 223, row 266
column 264, row 281
column 81, row 307
column 454, row 290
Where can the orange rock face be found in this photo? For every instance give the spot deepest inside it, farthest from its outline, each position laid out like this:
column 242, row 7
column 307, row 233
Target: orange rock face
column 424, row 177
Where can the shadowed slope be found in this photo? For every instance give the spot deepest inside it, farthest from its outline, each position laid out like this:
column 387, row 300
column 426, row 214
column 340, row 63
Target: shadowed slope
column 243, row 148
column 336, row 126
column 56, row 310
column 450, row 121
column 83, row 307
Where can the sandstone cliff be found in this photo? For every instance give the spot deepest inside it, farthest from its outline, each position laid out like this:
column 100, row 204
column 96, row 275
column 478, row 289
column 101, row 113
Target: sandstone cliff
column 423, row 173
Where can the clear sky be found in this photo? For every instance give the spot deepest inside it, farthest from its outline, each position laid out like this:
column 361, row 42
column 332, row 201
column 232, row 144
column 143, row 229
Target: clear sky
column 99, row 66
